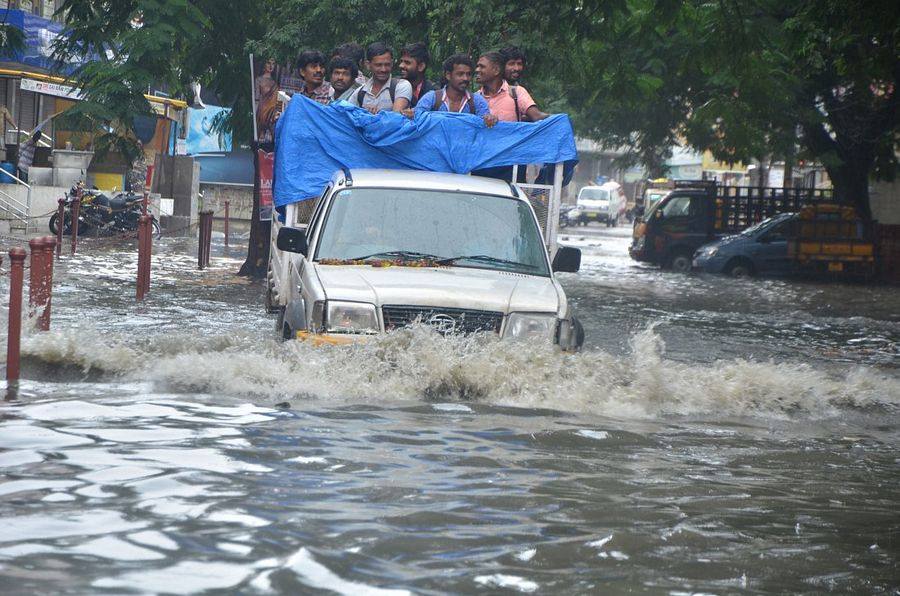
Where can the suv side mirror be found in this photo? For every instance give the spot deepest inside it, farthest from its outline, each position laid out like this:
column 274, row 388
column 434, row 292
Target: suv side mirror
column 292, row 240
column 567, row 260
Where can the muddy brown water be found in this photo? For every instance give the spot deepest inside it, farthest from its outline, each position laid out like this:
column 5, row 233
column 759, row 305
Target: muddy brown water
column 713, row 437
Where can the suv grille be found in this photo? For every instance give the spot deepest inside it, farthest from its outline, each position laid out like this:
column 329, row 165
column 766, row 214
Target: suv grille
column 445, row 320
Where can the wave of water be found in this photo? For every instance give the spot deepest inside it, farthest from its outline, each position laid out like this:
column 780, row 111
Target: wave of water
column 418, row 364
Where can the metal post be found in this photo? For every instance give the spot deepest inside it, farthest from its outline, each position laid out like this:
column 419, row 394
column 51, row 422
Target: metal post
column 226, row 222
column 200, row 237
column 204, row 238
column 47, row 289
column 60, row 225
column 13, row 338
column 36, row 273
column 553, row 209
column 76, row 207
column 143, row 272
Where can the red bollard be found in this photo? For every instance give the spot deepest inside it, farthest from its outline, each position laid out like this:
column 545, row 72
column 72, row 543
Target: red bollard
column 76, row 207
column 49, row 246
column 14, row 335
column 144, row 248
column 60, row 226
column 226, row 222
column 148, row 250
column 36, row 274
column 204, row 238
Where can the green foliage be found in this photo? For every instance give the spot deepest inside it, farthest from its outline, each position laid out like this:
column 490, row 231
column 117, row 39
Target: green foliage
column 745, row 79
column 12, row 40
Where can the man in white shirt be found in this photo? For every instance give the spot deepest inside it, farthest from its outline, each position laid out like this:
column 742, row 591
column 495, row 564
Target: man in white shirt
column 382, row 92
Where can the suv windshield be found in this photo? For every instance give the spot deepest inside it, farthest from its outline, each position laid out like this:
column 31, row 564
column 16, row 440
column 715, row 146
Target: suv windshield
column 467, row 230
column 594, row 194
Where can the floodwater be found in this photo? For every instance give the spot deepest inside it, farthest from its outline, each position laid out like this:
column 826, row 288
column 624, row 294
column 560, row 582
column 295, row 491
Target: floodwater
column 714, row 437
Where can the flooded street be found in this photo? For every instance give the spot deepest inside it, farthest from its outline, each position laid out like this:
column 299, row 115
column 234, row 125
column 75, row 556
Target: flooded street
column 714, row 436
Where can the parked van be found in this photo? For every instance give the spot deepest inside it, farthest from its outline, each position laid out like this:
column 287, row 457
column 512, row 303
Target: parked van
column 604, row 203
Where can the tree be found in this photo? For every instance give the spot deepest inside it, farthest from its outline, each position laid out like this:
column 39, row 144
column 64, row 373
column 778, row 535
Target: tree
column 129, row 46
column 741, row 77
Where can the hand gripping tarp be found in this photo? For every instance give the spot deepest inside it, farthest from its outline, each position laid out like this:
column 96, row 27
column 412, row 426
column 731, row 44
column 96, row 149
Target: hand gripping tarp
column 313, row 141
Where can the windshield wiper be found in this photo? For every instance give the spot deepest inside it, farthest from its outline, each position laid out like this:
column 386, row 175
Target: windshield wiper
column 398, row 254
column 485, row 259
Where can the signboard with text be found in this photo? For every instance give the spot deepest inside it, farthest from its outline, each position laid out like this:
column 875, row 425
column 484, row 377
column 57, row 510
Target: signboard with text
column 48, row 88
column 266, row 170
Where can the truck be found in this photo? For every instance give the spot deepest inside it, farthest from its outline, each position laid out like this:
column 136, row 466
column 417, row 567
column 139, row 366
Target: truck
column 696, row 213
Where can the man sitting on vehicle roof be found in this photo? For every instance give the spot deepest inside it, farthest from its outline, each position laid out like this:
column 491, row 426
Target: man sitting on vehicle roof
column 515, row 64
column 311, row 64
column 455, row 96
column 343, row 74
column 414, row 60
column 508, row 104
column 382, row 91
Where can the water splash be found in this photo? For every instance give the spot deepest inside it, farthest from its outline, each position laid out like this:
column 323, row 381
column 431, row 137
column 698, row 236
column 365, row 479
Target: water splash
column 417, row 364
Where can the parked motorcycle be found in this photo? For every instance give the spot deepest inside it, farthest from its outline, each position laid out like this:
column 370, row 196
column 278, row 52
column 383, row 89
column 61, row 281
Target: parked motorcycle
column 100, row 215
column 564, row 215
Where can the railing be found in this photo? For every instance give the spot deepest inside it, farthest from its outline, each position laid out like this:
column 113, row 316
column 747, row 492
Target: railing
column 18, row 210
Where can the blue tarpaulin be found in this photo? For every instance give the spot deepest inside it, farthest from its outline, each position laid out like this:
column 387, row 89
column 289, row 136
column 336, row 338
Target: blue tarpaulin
column 313, row 141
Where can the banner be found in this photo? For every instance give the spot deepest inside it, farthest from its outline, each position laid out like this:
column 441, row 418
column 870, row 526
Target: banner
column 266, row 171
column 40, row 35
column 202, row 136
column 270, row 78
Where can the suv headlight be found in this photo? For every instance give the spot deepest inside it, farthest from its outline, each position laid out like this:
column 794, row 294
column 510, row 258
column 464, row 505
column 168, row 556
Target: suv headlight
column 350, row 317
column 525, row 326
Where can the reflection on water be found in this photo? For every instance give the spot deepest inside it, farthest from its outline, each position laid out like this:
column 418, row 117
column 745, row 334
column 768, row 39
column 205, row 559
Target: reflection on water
column 713, row 438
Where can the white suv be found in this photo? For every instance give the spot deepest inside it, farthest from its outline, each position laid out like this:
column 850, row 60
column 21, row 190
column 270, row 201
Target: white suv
column 386, row 249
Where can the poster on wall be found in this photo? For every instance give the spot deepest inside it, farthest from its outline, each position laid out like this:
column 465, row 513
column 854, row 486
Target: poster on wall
column 266, row 169
column 268, row 79
column 203, row 136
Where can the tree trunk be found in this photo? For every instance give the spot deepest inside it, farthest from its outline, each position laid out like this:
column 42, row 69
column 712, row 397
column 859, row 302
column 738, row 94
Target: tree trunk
column 257, row 261
column 851, row 186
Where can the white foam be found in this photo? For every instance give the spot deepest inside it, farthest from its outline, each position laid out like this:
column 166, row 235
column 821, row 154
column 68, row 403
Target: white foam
column 154, row 538
column 600, row 543
column 186, row 577
column 502, row 580
column 526, row 555
column 416, row 363
column 19, row 486
column 43, row 526
column 26, row 436
column 238, row 517
column 599, row 435
column 452, row 408
column 308, row 460
column 110, row 547
column 235, row 548
column 19, row 457
column 315, row 575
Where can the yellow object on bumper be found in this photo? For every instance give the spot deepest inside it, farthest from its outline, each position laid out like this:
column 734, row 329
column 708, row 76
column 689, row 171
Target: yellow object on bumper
column 324, row 339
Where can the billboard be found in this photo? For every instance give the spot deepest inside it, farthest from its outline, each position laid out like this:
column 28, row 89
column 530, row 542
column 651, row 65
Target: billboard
column 202, row 136
column 269, row 78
